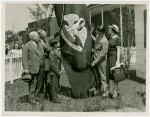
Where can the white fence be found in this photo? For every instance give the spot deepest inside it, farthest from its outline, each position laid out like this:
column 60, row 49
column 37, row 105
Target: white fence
column 13, row 63
column 132, row 55
column 13, row 66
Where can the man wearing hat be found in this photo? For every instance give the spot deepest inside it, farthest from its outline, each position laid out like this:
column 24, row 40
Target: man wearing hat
column 100, row 52
column 33, row 64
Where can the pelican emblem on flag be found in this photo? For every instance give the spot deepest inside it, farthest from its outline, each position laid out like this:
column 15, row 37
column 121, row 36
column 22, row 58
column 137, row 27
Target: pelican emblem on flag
column 75, row 27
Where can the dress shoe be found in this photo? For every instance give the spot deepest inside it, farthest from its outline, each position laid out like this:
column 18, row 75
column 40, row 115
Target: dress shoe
column 92, row 89
column 45, row 95
column 116, row 96
column 105, row 95
column 112, row 96
column 37, row 99
column 56, row 101
column 32, row 102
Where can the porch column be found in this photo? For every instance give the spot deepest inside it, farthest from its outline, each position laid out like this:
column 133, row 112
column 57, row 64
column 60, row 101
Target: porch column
column 102, row 16
column 90, row 16
column 121, row 24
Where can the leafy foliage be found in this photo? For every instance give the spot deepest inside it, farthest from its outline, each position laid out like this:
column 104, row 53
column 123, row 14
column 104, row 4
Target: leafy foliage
column 128, row 23
column 42, row 14
column 11, row 37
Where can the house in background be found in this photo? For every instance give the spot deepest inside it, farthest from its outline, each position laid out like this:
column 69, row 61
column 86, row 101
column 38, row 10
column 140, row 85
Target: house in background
column 140, row 37
column 108, row 14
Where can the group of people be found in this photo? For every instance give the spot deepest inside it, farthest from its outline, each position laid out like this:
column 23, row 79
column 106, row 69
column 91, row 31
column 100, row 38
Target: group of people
column 13, row 48
column 41, row 58
column 106, row 54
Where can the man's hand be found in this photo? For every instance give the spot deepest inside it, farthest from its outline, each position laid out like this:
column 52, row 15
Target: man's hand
column 93, row 64
column 59, row 73
column 52, row 37
column 93, row 50
column 26, row 71
column 117, row 64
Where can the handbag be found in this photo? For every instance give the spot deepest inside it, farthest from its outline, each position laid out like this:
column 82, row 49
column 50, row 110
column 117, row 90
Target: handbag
column 26, row 77
column 119, row 74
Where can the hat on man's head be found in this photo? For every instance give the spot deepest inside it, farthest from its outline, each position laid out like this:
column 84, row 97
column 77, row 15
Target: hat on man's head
column 100, row 28
column 40, row 31
column 53, row 42
column 115, row 27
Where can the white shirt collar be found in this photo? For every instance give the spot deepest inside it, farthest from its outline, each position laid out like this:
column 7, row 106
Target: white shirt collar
column 58, row 48
column 34, row 43
column 42, row 41
column 114, row 36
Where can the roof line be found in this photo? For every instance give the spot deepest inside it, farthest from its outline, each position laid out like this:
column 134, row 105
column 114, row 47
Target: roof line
column 96, row 6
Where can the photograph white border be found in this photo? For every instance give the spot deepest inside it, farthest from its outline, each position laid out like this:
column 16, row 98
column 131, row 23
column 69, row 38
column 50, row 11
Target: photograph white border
column 7, row 113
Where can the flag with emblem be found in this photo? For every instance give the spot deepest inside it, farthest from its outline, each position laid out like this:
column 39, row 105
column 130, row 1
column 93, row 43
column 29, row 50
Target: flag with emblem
column 76, row 45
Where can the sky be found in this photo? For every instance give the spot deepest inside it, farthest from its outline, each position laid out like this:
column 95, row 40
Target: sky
column 19, row 14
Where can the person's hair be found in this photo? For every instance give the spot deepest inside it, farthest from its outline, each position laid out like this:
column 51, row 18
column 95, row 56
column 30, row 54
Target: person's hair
column 31, row 35
column 18, row 46
column 102, row 29
column 21, row 45
column 39, row 31
column 53, row 42
column 114, row 31
column 92, row 27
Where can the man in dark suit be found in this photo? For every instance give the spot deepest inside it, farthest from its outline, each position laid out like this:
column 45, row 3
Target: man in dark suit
column 99, row 55
column 33, row 63
column 55, row 69
column 47, row 48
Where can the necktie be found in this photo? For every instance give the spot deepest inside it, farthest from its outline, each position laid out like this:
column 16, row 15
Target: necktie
column 38, row 46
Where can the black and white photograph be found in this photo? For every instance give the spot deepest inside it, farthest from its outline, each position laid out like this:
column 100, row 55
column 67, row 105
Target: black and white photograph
column 75, row 57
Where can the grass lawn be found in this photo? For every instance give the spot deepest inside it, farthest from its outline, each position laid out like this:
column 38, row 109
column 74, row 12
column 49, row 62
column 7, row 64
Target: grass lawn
column 131, row 97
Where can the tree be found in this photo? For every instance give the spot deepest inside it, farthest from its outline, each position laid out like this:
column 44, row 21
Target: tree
column 11, row 37
column 42, row 14
column 128, row 29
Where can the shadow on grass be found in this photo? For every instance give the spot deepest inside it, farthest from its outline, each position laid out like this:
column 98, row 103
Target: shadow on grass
column 65, row 91
column 133, row 77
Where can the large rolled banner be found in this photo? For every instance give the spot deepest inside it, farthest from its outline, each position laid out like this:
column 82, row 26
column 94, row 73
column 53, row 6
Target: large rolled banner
column 76, row 45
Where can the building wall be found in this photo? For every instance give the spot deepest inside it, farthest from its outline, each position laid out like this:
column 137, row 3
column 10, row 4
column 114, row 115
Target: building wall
column 139, row 37
column 54, row 26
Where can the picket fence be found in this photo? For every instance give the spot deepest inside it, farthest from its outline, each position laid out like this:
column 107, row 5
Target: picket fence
column 13, row 63
column 13, row 66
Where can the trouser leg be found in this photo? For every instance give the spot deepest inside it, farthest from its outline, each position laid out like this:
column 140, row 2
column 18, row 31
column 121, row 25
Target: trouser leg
column 45, row 84
column 32, row 87
column 103, row 78
column 55, row 86
column 45, row 77
column 40, row 82
column 48, row 86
